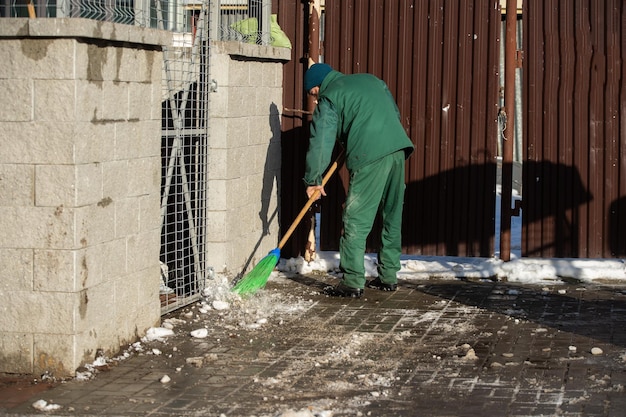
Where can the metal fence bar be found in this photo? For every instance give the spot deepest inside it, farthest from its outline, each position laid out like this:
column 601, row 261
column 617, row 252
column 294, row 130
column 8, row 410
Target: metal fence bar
column 239, row 20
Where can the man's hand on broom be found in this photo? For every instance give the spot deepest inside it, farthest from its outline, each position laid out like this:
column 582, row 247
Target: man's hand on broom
column 311, row 189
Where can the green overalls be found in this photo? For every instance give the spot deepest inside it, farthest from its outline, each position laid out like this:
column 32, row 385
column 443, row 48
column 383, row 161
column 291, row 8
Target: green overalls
column 359, row 111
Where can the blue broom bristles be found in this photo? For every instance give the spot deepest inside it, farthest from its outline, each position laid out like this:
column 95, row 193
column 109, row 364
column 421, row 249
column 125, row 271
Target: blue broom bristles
column 258, row 276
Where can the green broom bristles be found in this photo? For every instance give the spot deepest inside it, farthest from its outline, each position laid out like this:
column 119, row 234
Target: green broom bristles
column 257, row 278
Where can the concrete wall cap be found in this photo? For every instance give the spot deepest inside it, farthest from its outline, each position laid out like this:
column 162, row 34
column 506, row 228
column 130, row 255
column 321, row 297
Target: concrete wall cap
column 82, row 28
column 268, row 53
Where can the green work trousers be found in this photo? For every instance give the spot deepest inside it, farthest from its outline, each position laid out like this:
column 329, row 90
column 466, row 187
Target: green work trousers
column 378, row 186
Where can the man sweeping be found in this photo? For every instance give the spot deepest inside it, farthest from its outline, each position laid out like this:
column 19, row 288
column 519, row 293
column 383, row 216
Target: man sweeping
column 359, row 111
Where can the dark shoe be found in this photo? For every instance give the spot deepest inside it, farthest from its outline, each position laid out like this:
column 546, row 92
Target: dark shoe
column 379, row 285
column 342, row 290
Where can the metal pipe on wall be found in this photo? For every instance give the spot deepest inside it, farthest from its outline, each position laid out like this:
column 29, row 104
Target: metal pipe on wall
column 314, row 57
column 314, row 41
column 510, row 64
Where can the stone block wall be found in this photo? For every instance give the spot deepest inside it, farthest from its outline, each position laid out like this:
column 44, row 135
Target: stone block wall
column 244, row 153
column 79, row 190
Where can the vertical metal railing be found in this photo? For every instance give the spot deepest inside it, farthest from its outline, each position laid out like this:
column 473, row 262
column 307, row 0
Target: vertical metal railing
column 184, row 155
column 187, row 86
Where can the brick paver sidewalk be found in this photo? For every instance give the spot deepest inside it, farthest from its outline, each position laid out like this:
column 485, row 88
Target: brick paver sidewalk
column 433, row 348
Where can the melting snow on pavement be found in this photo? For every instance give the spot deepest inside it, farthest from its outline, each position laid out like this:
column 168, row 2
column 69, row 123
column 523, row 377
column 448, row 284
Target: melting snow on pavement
column 255, row 312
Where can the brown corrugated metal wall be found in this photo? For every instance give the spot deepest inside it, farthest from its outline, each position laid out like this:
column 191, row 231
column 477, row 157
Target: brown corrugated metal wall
column 418, row 47
column 574, row 167
column 440, row 60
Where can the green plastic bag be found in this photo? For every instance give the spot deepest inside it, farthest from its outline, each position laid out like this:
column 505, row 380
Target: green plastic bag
column 279, row 38
column 249, row 29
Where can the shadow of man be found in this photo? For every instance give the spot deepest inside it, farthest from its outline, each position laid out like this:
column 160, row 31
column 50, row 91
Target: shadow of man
column 271, row 172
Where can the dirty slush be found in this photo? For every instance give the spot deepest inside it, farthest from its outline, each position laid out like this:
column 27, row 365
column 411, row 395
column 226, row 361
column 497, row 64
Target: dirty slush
column 432, row 348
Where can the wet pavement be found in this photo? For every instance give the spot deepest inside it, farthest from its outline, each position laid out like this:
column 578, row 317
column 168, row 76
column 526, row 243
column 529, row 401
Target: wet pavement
column 432, row 348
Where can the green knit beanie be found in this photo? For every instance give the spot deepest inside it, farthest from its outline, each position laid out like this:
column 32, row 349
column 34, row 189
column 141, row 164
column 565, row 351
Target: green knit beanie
column 315, row 75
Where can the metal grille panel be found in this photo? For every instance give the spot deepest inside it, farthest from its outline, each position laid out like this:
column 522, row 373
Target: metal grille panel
column 185, row 134
column 184, row 146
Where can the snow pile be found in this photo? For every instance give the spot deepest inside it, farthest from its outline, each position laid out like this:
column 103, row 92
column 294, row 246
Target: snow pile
column 523, row 270
column 220, row 305
column 42, row 405
column 307, row 412
column 157, row 333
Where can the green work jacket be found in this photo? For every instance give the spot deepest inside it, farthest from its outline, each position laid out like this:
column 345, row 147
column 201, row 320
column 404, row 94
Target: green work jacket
column 359, row 111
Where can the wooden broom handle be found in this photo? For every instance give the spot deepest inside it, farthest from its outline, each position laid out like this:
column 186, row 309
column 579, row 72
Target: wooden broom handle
column 309, row 203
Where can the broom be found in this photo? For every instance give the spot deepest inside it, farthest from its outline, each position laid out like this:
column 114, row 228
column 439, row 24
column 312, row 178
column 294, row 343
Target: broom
column 257, row 277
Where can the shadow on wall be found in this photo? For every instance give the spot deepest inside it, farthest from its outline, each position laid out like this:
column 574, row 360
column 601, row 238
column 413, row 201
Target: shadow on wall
column 271, row 178
column 453, row 213
column 294, row 143
column 617, row 227
column 553, row 195
column 435, row 216
column 271, row 171
column 449, row 214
